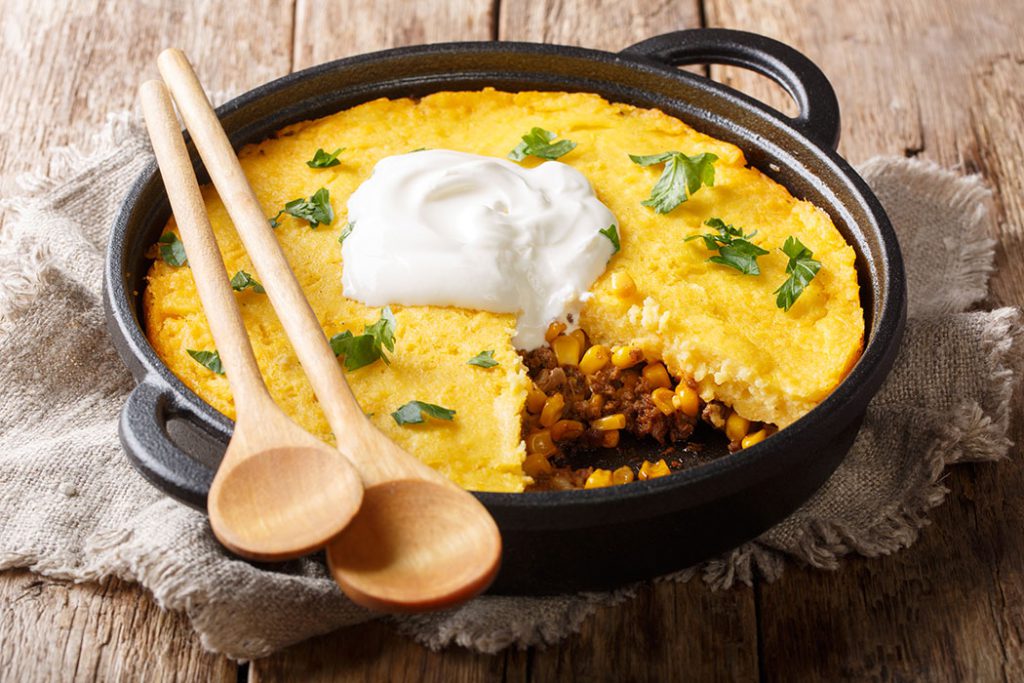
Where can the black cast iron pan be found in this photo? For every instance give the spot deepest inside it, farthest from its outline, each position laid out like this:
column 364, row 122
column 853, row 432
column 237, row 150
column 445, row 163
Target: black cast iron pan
column 575, row 540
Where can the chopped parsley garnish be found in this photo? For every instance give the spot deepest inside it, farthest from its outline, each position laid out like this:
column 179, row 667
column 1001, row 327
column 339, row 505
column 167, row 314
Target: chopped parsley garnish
column 734, row 248
column 612, row 233
column 683, row 175
column 363, row 349
column 208, row 359
column 358, row 350
column 346, row 231
column 172, row 250
column 412, row 413
column 383, row 331
column 801, row 268
column 316, row 210
column 484, row 359
column 324, row 160
column 538, row 143
column 242, row 280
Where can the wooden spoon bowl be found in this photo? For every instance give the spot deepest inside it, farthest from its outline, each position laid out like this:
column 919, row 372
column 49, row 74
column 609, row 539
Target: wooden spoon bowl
column 258, row 513
column 393, row 557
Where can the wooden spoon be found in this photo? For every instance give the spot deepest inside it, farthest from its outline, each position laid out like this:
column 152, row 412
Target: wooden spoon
column 279, row 492
column 419, row 542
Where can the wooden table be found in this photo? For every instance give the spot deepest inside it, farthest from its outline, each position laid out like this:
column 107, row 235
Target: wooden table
column 941, row 80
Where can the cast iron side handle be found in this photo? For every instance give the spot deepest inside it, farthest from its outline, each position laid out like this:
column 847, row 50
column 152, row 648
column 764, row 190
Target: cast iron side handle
column 143, row 432
column 802, row 79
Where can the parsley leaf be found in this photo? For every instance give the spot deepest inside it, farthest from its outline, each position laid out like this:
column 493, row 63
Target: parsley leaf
column 316, row 210
column 208, row 359
column 172, row 250
column 537, row 143
column 242, row 280
column 324, row 160
column 683, row 175
column 612, row 233
column 801, row 268
column 412, row 413
column 734, row 248
column 357, row 350
column 484, row 359
column 383, row 331
column 346, row 231
column 363, row 349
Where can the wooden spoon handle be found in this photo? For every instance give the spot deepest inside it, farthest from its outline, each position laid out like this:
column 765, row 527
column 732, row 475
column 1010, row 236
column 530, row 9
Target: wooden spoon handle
column 375, row 456
column 204, row 257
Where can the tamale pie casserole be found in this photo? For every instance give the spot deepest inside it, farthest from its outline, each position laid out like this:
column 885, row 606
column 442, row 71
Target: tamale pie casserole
column 638, row 314
column 709, row 299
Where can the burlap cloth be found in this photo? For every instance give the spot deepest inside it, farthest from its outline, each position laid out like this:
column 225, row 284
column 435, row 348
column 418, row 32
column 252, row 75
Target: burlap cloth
column 72, row 507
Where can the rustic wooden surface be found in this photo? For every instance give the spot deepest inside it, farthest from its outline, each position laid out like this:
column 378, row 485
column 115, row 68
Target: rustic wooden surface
column 940, row 80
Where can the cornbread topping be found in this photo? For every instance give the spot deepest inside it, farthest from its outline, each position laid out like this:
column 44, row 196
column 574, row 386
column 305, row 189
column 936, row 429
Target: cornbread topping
column 445, row 228
column 729, row 308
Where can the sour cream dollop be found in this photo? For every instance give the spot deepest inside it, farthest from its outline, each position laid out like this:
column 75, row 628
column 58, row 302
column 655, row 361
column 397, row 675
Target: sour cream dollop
column 445, row 228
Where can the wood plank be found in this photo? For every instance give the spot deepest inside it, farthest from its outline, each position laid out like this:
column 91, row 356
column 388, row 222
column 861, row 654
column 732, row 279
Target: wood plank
column 669, row 632
column 938, row 80
column 600, row 24
column 64, row 71
column 64, row 68
column 374, row 652
column 331, row 30
column 56, row 631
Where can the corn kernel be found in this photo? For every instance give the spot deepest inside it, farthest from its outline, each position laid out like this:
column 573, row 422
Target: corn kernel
column 610, row 438
column 566, row 429
column 536, row 464
column 656, row 375
column 596, row 358
column 567, row 349
column 660, row 469
column 687, row 400
column 622, row 284
column 755, row 438
column 597, row 402
column 554, row 329
column 736, row 426
column 599, row 479
column 552, row 411
column 608, row 422
column 535, row 399
column 662, row 400
column 626, row 356
column 652, row 470
column 540, row 442
column 623, row 475
column 581, row 336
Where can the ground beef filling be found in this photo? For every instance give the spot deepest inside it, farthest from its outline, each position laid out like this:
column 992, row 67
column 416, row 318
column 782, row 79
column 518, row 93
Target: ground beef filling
column 622, row 391
column 584, row 398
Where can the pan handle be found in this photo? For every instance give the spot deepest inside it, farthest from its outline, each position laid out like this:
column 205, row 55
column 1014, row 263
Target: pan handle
column 802, row 79
column 143, row 432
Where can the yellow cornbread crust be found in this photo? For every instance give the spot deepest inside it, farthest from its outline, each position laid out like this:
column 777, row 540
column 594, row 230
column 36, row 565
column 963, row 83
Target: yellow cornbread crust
column 708, row 323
